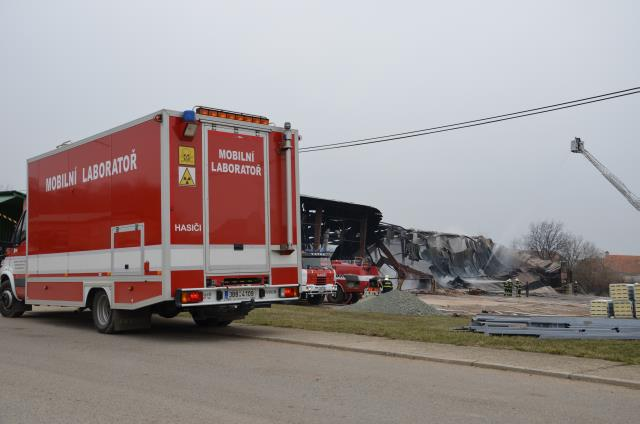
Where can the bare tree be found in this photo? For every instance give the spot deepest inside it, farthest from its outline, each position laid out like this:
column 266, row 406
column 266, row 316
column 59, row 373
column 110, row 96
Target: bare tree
column 549, row 240
column 546, row 239
column 576, row 249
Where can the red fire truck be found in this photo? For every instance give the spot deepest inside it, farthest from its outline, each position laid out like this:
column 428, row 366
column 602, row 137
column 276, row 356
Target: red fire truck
column 318, row 278
column 176, row 211
column 353, row 277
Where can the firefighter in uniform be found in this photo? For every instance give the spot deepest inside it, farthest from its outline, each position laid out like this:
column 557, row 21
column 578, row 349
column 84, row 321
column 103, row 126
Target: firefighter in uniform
column 508, row 287
column 387, row 285
column 518, row 288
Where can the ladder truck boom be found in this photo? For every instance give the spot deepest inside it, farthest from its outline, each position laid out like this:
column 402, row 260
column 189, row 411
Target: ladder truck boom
column 577, row 146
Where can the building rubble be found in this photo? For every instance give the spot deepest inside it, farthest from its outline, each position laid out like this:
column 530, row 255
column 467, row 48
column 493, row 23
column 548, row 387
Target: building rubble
column 418, row 259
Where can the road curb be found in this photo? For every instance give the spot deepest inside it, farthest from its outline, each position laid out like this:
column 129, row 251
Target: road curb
column 603, row 380
column 486, row 365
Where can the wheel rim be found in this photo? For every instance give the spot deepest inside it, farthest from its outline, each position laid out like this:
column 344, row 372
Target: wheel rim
column 103, row 311
column 7, row 299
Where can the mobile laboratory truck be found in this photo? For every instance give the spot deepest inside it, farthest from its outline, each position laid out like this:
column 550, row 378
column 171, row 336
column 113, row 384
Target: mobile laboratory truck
column 192, row 211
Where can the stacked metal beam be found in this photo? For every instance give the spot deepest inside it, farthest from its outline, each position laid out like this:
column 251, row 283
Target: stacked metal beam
column 552, row 327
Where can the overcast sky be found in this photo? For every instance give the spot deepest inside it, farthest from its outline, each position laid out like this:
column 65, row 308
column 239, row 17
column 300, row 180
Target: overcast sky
column 348, row 69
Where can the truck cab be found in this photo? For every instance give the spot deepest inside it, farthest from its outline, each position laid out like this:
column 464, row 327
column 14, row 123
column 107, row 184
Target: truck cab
column 318, row 277
column 13, row 269
column 352, row 277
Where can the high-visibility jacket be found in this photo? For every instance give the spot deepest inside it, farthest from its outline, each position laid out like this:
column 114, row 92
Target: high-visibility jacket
column 387, row 285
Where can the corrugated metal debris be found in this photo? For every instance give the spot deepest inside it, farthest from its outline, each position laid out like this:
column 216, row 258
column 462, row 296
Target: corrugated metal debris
column 456, row 261
column 554, row 327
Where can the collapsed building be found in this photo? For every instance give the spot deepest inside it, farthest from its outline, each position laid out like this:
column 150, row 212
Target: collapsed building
column 417, row 259
column 451, row 260
column 424, row 259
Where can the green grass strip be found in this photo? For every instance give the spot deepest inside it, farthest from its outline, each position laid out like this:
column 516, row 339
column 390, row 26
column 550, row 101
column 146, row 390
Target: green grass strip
column 435, row 329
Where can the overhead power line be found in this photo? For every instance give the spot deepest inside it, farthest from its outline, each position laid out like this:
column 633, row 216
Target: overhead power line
column 478, row 120
column 473, row 123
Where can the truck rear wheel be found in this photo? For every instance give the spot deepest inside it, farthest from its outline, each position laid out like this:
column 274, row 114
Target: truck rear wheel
column 10, row 307
column 103, row 315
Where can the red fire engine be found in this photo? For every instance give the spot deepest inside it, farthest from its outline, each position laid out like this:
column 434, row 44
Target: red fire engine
column 353, row 278
column 176, row 211
column 318, row 278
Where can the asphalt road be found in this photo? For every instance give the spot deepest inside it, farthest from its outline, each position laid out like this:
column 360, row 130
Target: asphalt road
column 55, row 368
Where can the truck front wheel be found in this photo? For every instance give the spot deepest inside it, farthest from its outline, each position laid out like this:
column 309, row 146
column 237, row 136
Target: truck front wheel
column 103, row 315
column 10, row 307
column 339, row 297
column 315, row 299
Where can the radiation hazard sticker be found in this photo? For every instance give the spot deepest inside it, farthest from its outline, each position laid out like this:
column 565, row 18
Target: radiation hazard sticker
column 187, row 155
column 187, row 176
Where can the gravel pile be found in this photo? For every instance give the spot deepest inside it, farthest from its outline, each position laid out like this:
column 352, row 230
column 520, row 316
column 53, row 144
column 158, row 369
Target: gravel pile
column 394, row 302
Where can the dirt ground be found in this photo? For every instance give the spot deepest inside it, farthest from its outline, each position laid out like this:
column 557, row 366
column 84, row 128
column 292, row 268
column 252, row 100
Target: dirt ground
column 466, row 304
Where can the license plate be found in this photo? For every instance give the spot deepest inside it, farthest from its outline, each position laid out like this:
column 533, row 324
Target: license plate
column 240, row 294
column 271, row 292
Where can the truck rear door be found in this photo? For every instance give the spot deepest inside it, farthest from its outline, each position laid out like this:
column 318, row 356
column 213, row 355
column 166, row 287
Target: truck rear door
column 235, row 202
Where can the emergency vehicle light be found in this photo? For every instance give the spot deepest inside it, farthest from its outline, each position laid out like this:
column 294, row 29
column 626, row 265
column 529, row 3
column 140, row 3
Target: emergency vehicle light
column 189, row 116
column 191, row 297
column 220, row 113
column 191, row 127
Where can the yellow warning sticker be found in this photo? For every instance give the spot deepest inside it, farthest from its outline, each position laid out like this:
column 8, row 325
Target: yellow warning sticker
column 187, row 176
column 187, row 155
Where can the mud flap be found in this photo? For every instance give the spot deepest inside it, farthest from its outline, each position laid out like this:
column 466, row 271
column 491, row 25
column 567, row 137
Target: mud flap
column 124, row 320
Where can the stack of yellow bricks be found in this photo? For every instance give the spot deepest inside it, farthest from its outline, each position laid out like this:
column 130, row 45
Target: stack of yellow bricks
column 623, row 303
column 601, row 308
column 623, row 296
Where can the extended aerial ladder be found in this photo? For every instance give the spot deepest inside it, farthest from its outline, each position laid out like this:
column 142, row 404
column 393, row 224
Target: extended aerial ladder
column 577, row 146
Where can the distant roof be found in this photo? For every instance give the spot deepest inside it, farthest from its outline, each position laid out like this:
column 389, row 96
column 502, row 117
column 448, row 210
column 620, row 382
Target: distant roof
column 339, row 209
column 625, row 264
column 313, row 199
column 10, row 195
